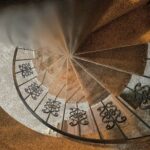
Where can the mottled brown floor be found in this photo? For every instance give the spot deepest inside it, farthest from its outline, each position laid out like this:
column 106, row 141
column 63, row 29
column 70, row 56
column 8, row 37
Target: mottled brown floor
column 14, row 136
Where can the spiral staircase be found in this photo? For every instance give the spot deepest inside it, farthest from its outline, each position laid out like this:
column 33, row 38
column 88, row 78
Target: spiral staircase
column 84, row 85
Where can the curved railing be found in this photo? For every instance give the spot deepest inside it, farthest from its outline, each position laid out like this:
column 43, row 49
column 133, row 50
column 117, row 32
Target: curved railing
column 109, row 120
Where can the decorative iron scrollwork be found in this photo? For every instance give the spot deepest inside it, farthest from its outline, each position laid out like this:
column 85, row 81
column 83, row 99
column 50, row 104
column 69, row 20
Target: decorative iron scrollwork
column 142, row 94
column 52, row 107
column 111, row 115
column 26, row 70
column 78, row 117
column 34, row 90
